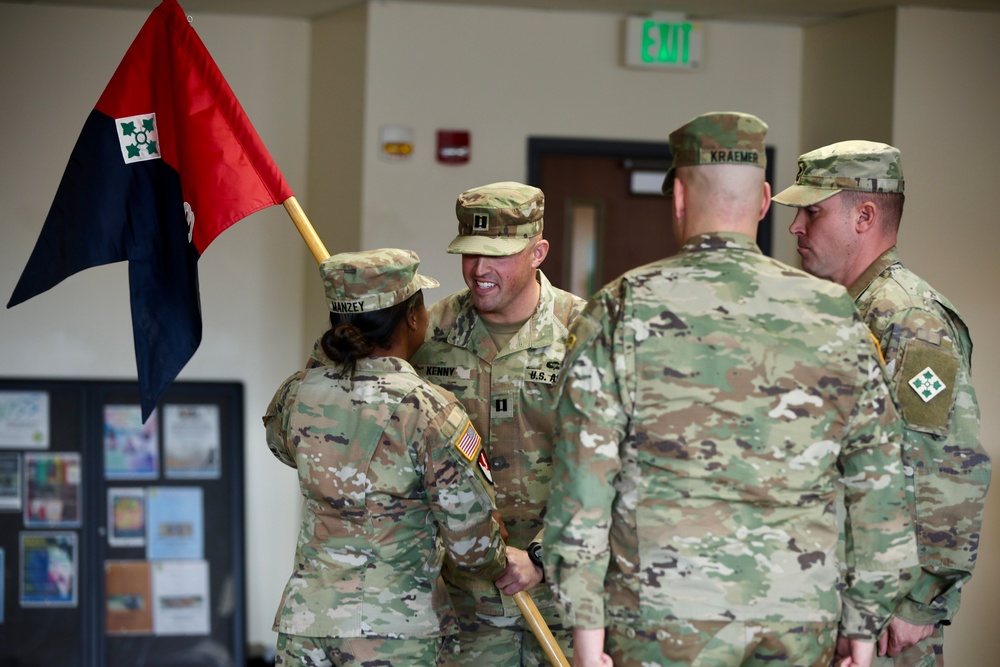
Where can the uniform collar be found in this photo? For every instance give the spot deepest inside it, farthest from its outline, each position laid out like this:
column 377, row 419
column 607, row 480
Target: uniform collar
column 719, row 240
column 541, row 330
column 383, row 365
column 884, row 261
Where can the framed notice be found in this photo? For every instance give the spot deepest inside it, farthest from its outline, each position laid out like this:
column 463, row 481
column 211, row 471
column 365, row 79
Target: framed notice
column 127, row 516
column 131, row 448
column 10, row 481
column 191, row 441
column 24, row 419
column 175, row 527
column 52, row 496
column 49, row 569
column 128, row 597
column 181, row 597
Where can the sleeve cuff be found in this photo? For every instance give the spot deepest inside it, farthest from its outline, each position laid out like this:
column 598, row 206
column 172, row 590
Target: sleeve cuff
column 856, row 624
column 920, row 614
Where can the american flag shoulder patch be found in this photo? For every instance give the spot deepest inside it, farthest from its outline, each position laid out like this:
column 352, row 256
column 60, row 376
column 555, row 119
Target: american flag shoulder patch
column 470, row 442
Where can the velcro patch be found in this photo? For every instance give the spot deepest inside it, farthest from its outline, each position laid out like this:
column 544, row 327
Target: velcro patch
column 541, row 375
column 925, row 386
column 484, row 465
column 438, row 371
column 730, row 156
column 502, row 405
column 469, row 443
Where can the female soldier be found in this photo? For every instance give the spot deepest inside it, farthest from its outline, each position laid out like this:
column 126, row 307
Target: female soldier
column 387, row 464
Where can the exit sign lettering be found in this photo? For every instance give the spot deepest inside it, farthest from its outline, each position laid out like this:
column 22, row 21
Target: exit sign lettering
column 656, row 42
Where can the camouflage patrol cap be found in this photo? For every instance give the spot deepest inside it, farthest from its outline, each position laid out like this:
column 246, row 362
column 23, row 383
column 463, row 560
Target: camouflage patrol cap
column 497, row 219
column 357, row 282
column 719, row 137
column 864, row 166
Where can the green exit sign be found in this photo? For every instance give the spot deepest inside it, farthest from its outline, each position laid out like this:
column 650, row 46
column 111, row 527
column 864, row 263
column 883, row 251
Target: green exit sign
column 663, row 42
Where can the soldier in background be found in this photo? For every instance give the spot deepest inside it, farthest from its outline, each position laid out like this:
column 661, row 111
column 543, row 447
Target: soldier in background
column 710, row 404
column 387, row 465
column 850, row 197
column 498, row 346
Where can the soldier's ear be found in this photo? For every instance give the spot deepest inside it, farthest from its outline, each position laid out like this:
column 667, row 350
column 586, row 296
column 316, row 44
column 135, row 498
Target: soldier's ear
column 679, row 199
column 539, row 252
column 411, row 316
column 766, row 204
column 865, row 217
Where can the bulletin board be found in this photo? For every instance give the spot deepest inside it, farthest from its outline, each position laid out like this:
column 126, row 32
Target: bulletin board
column 121, row 542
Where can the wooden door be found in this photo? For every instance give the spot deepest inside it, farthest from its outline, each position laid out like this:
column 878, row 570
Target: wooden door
column 598, row 229
column 602, row 217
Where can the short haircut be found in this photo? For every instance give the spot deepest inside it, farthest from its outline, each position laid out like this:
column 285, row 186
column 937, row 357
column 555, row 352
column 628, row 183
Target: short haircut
column 890, row 205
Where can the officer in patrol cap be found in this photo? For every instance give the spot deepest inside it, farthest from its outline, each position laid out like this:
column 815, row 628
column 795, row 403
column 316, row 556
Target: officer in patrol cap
column 703, row 428
column 388, row 468
column 498, row 345
column 849, row 197
column 498, row 220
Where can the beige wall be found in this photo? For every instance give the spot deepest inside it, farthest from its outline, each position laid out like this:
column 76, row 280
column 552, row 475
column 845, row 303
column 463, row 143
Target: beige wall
column 507, row 74
column 945, row 101
column 336, row 144
column 847, row 87
column 251, row 287
column 318, row 93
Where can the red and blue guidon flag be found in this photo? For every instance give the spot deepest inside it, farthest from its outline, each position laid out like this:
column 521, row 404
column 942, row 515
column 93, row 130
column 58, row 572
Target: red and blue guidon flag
column 167, row 161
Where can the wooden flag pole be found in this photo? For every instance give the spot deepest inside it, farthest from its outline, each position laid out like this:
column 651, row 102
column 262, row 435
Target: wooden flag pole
column 319, row 251
column 523, row 600
column 540, row 629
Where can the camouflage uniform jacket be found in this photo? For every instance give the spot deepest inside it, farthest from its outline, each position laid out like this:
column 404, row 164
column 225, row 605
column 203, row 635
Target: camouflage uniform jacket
column 711, row 405
column 917, row 328
column 509, row 397
column 387, row 492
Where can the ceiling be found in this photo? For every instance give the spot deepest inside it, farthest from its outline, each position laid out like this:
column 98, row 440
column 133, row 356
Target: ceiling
column 800, row 12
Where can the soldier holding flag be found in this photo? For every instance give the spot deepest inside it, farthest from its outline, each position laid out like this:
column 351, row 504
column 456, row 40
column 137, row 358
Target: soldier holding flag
column 498, row 346
column 388, row 468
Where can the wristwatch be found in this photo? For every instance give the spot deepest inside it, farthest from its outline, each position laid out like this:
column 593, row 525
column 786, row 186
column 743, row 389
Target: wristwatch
column 535, row 554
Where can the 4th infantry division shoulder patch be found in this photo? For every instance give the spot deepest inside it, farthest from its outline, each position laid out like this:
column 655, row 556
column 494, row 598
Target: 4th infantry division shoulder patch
column 927, row 384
